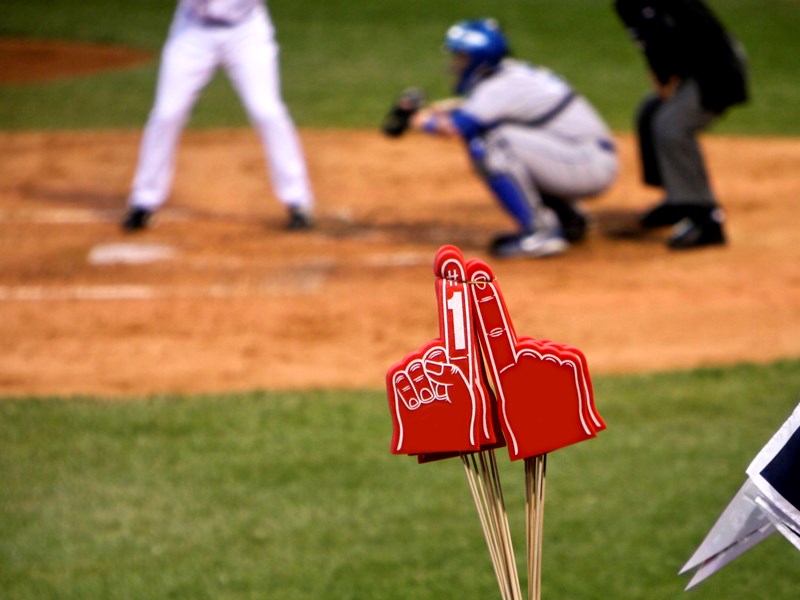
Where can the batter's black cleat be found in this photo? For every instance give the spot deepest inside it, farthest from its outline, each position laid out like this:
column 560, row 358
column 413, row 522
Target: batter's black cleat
column 699, row 231
column 574, row 223
column 665, row 214
column 136, row 219
column 299, row 219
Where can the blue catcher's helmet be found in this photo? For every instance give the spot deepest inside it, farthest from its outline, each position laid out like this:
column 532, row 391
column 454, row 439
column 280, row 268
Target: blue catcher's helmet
column 484, row 44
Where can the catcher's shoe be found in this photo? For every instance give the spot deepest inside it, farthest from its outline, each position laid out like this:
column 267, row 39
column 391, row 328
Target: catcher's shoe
column 136, row 219
column 665, row 214
column 538, row 244
column 698, row 231
column 573, row 220
column 299, row 219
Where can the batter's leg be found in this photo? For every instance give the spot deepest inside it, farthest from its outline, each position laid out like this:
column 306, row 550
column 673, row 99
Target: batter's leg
column 252, row 64
column 187, row 63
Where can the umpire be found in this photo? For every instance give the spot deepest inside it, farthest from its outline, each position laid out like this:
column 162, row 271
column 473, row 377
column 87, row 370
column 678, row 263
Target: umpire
column 698, row 72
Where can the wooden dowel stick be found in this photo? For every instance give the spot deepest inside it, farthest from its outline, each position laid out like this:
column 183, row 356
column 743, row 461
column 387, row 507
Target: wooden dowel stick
column 493, row 484
column 483, row 504
column 535, row 479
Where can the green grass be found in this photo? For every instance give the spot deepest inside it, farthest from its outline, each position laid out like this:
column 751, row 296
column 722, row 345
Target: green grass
column 343, row 60
column 295, row 495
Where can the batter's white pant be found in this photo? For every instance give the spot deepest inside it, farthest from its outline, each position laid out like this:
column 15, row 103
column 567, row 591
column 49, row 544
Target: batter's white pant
column 249, row 54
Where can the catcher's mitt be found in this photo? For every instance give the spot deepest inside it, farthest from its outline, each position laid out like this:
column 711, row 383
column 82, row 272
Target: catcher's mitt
column 398, row 119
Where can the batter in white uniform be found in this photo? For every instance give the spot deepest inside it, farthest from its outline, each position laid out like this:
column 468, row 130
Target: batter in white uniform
column 538, row 145
column 237, row 35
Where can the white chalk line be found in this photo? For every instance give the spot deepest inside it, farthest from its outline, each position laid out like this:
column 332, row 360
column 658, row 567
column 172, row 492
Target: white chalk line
column 132, row 254
column 72, row 216
column 307, row 278
column 144, row 292
column 66, row 216
column 295, row 277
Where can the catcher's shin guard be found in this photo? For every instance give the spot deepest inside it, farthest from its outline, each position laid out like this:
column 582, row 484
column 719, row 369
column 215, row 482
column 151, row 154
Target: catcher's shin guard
column 511, row 185
column 512, row 199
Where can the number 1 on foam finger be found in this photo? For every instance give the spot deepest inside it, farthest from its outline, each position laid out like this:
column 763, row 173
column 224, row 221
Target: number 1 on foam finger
column 455, row 304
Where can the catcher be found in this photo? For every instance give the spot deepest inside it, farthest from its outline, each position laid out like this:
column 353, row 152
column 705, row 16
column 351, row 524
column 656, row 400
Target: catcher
column 538, row 145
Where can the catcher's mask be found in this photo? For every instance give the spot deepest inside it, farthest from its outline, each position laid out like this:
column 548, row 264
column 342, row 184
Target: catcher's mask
column 483, row 44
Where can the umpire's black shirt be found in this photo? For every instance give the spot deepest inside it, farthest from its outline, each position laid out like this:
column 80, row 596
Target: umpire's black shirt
column 683, row 38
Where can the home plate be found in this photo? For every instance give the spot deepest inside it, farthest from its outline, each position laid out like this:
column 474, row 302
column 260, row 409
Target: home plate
column 129, row 254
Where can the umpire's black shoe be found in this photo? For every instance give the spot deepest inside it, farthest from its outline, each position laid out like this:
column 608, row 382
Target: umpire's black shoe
column 698, row 231
column 136, row 219
column 665, row 214
column 299, row 219
column 574, row 223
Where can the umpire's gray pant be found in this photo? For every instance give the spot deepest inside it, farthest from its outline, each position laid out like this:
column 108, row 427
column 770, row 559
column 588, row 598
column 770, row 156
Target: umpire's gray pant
column 674, row 127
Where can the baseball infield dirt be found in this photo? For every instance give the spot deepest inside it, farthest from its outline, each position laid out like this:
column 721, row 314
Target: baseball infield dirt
column 216, row 297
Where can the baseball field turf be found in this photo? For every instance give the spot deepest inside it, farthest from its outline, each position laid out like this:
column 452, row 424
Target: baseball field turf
column 343, row 60
column 294, row 495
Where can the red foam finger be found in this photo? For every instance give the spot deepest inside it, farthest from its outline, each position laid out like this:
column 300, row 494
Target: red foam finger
column 593, row 414
column 494, row 326
column 584, row 390
column 444, row 256
column 449, row 401
column 549, row 414
column 455, row 319
column 490, row 431
column 440, row 419
column 543, row 392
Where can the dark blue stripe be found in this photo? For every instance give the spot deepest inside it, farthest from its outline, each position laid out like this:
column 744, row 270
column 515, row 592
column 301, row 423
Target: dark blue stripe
column 783, row 471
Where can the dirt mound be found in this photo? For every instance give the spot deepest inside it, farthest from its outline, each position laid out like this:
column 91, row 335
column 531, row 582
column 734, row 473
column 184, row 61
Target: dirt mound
column 28, row 60
column 217, row 297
